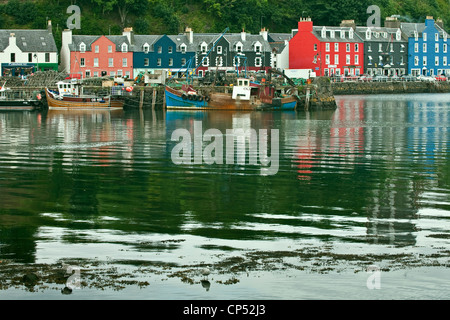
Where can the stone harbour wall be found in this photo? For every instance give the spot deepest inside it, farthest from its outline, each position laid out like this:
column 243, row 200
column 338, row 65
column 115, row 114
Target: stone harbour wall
column 352, row 88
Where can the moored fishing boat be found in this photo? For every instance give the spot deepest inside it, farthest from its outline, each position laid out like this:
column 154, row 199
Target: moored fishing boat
column 68, row 97
column 19, row 100
column 243, row 96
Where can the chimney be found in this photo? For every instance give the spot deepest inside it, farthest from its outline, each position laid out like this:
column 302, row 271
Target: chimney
column 305, row 25
column 49, row 26
column 128, row 32
column 392, row 22
column 348, row 24
column 190, row 34
column 243, row 35
column 12, row 39
column 440, row 23
column 264, row 33
column 429, row 21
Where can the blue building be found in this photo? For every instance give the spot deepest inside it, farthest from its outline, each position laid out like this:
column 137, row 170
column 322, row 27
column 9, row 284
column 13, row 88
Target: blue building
column 428, row 52
column 160, row 52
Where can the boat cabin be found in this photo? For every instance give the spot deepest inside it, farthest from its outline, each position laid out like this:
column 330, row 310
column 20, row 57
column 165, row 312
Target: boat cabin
column 68, row 88
column 242, row 89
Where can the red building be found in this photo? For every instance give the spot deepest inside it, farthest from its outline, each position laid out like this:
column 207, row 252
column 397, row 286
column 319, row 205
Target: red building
column 96, row 56
column 328, row 51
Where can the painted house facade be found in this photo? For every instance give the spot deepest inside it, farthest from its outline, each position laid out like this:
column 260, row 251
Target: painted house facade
column 96, row 56
column 231, row 52
column 385, row 49
column 279, row 43
column 23, row 52
column 428, row 47
column 328, row 51
column 161, row 52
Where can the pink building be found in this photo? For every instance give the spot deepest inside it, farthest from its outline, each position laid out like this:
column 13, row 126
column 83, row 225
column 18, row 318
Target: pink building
column 96, row 56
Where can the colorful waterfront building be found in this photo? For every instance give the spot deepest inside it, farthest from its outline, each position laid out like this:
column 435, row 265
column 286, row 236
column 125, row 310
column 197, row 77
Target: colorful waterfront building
column 88, row 56
column 428, row 47
column 385, row 49
column 327, row 51
column 24, row 51
column 161, row 52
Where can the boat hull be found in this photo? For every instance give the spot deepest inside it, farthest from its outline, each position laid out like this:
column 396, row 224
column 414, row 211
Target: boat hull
column 19, row 105
column 80, row 103
column 222, row 101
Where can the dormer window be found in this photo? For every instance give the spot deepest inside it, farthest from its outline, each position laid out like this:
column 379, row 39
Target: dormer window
column 350, row 34
column 384, row 34
column 436, row 37
column 82, row 47
column 204, row 48
column 146, row 48
column 332, row 34
column 416, row 35
column 239, row 47
column 324, row 32
column 398, row 35
column 183, row 48
column 258, row 49
column 124, row 47
column 368, row 34
column 424, row 36
column 342, row 34
column 445, row 37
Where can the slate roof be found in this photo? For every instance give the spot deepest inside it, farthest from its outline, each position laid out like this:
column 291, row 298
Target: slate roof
column 390, row 34
column 89, row 40
column 279, row 37
column 409, row 28
column 29, row 40
column 317, row 31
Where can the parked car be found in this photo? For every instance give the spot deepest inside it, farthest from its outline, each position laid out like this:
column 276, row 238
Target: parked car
column 380, row 78
column 441, row 78
column 425, row 78
column 365, row 78
column 409, row 78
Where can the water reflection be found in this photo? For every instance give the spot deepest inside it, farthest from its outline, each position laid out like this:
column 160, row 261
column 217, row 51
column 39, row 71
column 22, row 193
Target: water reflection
column 364, row 173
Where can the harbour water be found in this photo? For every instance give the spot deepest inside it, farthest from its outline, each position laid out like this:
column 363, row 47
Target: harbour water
column 359, row 207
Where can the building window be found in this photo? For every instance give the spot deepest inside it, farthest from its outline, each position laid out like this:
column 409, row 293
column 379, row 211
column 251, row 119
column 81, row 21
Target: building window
column 119, row 73
column 424, row 36
column 369, row 48
column 424, row 61
column 13, row 57
column 183, row 48
column 332, row 34
column 206, row 62
column 146, row 62
column 124, row 48
column 356, row 47
column 87, row 73
column 204, row 48
column 258, row 49
column 158, row 62
column 347, row 59
column 124, row 62
column 109, row 49
column 424, row 47
column 127, row 74
column 436, row 61
column 170, row 62
column 436, row 47
column 95, row 62
column 370, row 59
column 445, row 48
column 183, row 61
column 327, row 47
column 315, row 46
column 96, row 49
column 170, row 50
column 111, row 62
column 95, row 73
column 380, row 47
column 82, row 48
column 327, row 59
column 146, row 48
column 238, row 48
column 416, row 60
column 219, row 50
column 112, row 73
column 444, row 61
column 436, row 37
column 336, row 59
column 219, row 61
column 47, row 57
column 347, row 47
column 30, row 57
column 336, row 47
column 258, row 62
column 82, row 63
column 402, row 48
column 416, row 47
column 356, row 59
column 392, row 47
